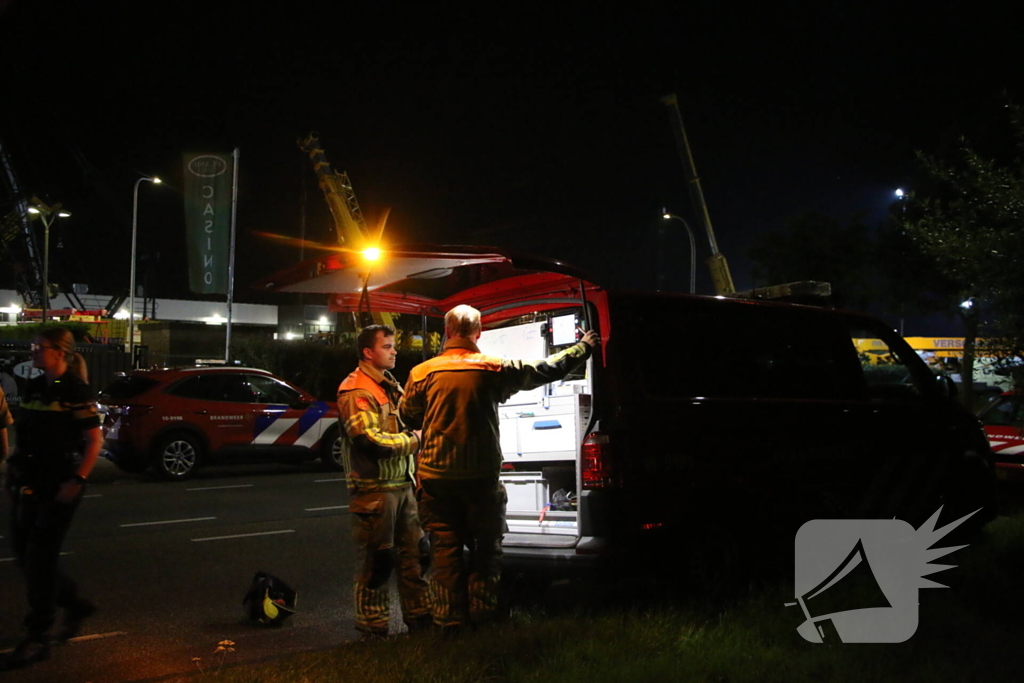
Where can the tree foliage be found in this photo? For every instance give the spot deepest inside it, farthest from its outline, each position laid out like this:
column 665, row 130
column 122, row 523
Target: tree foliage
column 969, row 225
column 815, row 247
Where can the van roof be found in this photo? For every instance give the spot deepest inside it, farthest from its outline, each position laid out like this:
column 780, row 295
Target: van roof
column 424, row 273
column 431, row 279
column 423, row 279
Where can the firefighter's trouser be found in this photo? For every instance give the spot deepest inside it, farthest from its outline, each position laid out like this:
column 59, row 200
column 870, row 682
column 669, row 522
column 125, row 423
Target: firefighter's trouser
column 459, row 515
column 38, row 526
column 386, row 534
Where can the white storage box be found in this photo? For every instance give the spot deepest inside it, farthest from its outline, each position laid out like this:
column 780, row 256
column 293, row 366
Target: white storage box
column 527, row 491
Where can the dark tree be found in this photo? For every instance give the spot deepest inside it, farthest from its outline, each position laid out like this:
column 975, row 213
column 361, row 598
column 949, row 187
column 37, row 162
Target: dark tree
column 815, row 247
column 969, row 226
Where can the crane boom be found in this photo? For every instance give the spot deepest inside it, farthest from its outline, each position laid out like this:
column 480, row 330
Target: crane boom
column 28, row 281
column 720, row 274
column 341, row 198
column 349, row 224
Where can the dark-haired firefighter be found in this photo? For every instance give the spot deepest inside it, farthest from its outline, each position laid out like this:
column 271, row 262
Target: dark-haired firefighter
column 379, row 468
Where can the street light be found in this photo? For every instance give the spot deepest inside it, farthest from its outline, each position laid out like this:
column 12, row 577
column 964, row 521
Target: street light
column 901, row 197
column 693, row 248
column 131, row 283
column 46, row 215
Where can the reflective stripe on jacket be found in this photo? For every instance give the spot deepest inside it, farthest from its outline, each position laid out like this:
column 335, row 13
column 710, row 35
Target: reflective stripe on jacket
column 377, row 452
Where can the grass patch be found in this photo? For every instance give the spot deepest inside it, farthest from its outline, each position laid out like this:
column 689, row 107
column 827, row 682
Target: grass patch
column 637, row 631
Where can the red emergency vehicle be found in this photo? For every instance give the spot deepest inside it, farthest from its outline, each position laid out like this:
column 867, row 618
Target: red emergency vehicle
column 1003, row 420
column 174, row 421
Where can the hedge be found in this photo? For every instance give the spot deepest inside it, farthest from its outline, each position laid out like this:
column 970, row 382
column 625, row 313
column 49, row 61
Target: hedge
column 317, row 368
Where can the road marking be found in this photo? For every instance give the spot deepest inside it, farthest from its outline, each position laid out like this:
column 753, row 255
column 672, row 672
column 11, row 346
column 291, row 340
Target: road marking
column 81, row 639
column 260, row 533
column 12, row 559
column 97, row 636
column 169, row 521
column 331, row 507
column 217, row 488
column 321, row 481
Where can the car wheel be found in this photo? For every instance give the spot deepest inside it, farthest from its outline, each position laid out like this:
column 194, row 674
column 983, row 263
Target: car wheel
column 177, row 456
column 330, row 450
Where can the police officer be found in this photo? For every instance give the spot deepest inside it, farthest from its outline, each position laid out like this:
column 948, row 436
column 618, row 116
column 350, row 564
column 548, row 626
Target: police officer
column 5, row 421
column 455, row 397
column 379, row 468
column 59, row 441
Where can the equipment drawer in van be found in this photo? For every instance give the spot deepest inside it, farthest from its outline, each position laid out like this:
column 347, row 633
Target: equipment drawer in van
column 551, row 430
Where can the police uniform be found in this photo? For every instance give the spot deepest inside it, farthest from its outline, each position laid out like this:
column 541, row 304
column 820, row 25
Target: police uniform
column 5, row 418
column 379, row 469
column 51, row 423
column 455, row 397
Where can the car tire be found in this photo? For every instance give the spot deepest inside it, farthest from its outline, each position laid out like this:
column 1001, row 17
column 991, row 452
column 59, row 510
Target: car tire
column 177, row 456
column 330, row 450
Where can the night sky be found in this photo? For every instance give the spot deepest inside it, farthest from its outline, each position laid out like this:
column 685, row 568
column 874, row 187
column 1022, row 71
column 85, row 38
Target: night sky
column 515, row 125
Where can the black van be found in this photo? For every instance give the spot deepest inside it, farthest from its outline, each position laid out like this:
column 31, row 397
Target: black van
column 701, row 418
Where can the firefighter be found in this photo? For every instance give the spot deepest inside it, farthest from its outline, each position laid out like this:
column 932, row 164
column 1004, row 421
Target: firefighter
column 379, row 470
column 454, row 398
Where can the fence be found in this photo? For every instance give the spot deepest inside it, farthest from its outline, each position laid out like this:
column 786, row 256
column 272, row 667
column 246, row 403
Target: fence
column 104, row 362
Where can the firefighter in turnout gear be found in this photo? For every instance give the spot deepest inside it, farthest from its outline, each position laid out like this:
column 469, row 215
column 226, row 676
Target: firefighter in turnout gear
column 455, row 397
column 379, row 469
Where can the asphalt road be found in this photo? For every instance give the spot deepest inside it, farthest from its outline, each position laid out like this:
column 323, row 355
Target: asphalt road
column 169, row 562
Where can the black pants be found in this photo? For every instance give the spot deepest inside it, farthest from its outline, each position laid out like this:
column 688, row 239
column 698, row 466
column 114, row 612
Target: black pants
column 458, row 514
column 38, row 526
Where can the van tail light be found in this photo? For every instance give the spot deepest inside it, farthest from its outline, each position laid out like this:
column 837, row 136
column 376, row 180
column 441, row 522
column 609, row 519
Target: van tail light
column 596, row 466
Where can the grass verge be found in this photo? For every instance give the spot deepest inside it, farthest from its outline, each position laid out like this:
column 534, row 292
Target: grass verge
column 646, row 632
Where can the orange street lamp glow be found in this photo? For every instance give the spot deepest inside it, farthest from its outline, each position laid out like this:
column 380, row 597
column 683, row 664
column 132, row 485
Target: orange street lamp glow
column 371, row 254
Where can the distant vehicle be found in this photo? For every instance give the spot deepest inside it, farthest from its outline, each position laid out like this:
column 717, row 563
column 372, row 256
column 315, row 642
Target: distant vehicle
column 1003, row 420
column 175, row 421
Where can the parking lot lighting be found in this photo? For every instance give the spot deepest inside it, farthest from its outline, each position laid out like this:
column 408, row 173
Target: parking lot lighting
column 131, row 279
column 693, row 250
column 46, row 215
